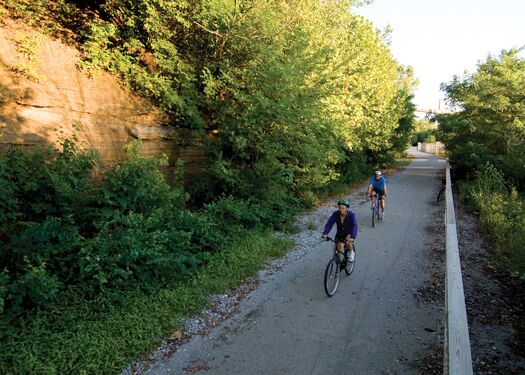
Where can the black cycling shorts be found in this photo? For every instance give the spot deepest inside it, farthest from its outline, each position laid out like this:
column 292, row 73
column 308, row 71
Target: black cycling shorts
column 379, row 192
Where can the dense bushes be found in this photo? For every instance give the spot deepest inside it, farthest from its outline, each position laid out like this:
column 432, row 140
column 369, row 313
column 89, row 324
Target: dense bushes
column 85, row 254
column 61, row 230
column 485, row 140
column 43, row 210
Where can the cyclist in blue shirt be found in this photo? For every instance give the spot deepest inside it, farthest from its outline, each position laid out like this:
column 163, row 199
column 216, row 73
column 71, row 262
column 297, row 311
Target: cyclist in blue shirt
column 346, row 227
column 377, row 187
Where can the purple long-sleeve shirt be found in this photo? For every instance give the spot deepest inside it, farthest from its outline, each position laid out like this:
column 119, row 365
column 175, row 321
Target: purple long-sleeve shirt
column 349, row 224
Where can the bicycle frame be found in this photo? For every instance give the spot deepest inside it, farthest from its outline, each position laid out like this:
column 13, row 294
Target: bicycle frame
column 377, row 205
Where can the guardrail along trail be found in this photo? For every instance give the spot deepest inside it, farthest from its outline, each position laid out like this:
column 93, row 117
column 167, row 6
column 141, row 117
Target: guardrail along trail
column 458, row 358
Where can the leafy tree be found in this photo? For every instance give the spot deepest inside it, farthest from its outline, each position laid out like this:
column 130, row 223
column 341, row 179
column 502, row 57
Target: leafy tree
column 424, row 131
column 489, row 125
column 486, row 142
column 291, row 90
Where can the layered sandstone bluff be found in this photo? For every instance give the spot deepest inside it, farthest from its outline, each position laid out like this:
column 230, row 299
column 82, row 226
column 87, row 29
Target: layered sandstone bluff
column 45, row 97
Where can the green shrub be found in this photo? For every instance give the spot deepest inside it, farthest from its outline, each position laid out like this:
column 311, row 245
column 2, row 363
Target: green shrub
column 239, row 215
column 45, row 182
column 60, row 229
column 126, row 230
column 35, row 286
column 47, row 193
column 428, row 136
column 135, row 251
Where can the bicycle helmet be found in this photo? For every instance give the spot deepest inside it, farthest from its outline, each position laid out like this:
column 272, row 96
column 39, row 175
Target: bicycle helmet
column 378, row 173
column 344, row 202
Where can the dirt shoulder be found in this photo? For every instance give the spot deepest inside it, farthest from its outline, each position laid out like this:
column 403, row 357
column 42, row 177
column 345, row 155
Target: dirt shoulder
column 495, row 304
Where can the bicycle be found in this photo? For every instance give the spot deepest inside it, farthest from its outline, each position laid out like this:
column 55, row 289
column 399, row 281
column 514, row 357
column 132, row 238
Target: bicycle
column 441, row 189
column 375, row 209
column 334, row 268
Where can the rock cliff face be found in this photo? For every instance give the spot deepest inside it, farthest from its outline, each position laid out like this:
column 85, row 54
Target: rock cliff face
column 45, row 97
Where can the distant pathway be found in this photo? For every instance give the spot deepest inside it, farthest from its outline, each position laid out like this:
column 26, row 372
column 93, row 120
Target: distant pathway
column 373, row 325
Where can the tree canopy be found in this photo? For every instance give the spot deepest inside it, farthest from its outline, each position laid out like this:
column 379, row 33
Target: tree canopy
column 296, row 86
column 294, row 89
column 489, row 125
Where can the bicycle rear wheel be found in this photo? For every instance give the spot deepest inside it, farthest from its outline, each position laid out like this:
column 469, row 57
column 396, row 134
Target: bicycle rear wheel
column 331, row 277
column 351, row 265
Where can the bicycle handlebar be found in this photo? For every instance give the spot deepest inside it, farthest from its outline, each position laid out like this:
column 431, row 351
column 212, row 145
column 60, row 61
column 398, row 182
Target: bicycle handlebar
column 331, row 239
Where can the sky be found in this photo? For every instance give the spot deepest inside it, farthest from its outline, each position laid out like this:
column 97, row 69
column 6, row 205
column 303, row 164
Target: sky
column 443, row 38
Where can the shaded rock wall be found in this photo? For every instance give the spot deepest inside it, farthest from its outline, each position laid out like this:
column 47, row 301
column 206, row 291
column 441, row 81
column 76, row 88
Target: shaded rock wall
column 44, row 98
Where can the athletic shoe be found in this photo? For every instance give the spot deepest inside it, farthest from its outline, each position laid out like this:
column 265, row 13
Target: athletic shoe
column 382, row 216
column 351, row 257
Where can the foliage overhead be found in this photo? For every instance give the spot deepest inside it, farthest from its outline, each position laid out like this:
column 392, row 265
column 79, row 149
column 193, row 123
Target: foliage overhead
column 424, row 131
column 288, row 88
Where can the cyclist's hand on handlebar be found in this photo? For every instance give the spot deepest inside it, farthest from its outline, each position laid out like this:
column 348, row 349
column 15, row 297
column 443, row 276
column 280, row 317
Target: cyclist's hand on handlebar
column 325, row 237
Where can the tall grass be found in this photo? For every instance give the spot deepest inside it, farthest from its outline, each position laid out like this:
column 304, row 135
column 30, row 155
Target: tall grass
column 502, row 215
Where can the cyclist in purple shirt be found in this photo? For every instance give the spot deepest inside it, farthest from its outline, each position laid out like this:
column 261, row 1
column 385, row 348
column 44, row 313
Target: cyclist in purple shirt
column 346, row 227
column 377, row 186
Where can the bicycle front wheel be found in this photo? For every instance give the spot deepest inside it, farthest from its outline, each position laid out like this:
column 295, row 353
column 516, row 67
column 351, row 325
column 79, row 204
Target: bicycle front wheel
column 351, row 265
column 331, row 277
column 374, row 217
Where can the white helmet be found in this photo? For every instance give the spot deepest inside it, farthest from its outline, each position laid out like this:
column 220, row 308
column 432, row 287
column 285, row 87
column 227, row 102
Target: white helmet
column 378, row 173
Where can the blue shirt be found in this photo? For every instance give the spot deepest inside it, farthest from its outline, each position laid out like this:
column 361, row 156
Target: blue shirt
column 349, row 224
column 378, row 184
